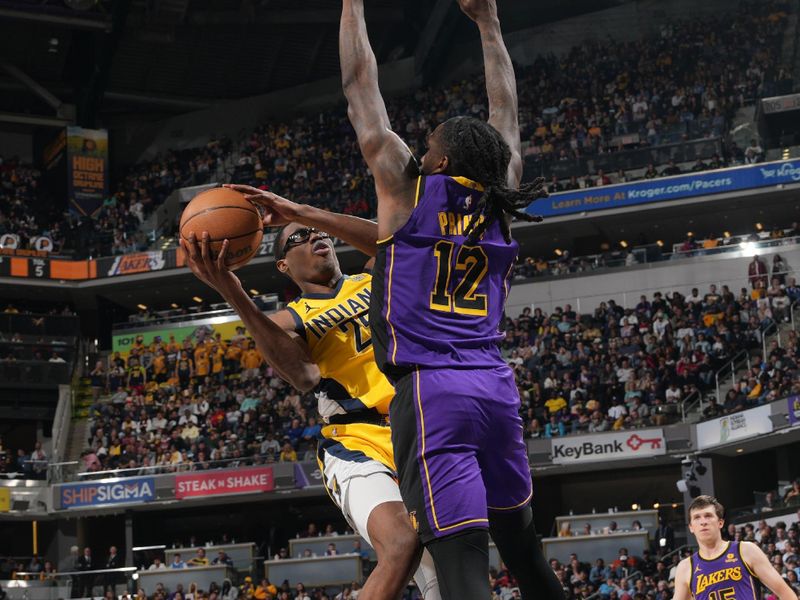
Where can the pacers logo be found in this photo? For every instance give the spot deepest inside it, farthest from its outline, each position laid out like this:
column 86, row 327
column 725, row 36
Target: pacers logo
column 413, row 518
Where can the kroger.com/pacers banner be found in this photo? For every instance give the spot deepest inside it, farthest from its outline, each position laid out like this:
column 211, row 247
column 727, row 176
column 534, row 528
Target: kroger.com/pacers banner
column 87, row 169
column 668, row 188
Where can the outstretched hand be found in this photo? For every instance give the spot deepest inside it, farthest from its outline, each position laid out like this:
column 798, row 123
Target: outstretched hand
column 278, row 211
column 207, row 268
column 537, row 189
column 478, row 9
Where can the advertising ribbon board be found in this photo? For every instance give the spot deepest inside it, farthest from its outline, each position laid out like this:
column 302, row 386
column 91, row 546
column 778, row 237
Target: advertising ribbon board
column 123, row 342
column 220, row 483
column 731, row 428
column 622, row 445
column 99, row 493
column 669, row 188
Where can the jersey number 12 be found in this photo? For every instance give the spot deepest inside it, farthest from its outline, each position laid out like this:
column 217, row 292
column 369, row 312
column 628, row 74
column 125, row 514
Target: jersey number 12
column 474, row 264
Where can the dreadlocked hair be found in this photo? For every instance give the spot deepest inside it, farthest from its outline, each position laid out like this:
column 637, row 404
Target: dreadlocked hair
column 477, row 151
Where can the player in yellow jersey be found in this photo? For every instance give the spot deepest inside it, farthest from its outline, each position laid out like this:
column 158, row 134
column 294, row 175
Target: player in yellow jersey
column 322, row 340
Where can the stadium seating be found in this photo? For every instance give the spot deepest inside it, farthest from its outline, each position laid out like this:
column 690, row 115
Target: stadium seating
column 37, row 351
column 623, row 368
column 610, row 369
column 585, row 118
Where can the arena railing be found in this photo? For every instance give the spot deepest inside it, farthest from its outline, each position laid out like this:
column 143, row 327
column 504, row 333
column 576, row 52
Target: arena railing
column 69, row 471
column 629, row 298
column 30, row 585
column 219, row 309
column 627, row 160
column 40, row 325
column 582, row 265
column 32, row 469
column 688, row 404
column 742, row 357
column 34, row 372
column 752, row 512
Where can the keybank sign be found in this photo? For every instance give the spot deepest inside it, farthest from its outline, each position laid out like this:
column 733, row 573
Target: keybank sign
column 609, row 446
column 133, row 490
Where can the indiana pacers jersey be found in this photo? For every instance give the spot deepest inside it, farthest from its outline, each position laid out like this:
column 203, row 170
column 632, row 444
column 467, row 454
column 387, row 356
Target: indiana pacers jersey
column 726, row 577
column 439, row 302
column 354, row 395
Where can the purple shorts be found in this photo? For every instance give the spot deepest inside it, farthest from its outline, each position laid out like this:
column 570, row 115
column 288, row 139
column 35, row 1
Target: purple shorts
column 458, row 446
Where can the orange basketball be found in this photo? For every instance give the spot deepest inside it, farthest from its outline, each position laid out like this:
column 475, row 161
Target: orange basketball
column 225, row 215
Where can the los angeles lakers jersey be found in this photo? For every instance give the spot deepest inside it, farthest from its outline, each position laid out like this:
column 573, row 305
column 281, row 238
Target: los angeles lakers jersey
column 354, row 395
column 439, row 301
column 726, row 577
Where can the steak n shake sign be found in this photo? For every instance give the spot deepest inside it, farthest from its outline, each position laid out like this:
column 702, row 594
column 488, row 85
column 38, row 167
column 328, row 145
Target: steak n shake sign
column 219, row 483
column 620, row 445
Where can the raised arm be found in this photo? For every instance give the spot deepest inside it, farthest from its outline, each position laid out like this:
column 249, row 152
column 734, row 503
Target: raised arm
column 283, row 350
column 388, row 157
column 501, row 84
column 360, row 233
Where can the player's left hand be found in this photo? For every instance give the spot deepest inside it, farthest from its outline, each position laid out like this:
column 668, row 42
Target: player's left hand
column 278, row 211
column 208, row 268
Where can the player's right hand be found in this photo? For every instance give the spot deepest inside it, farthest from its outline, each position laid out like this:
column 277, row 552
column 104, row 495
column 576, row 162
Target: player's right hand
column 478, row 9
column 278, row 211
column 208, row 268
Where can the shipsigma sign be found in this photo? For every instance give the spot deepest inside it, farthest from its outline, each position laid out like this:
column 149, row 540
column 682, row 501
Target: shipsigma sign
column 141, row 489
column 609, row 446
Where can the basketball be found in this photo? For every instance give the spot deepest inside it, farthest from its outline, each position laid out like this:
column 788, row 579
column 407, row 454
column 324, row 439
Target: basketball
column 225, row 215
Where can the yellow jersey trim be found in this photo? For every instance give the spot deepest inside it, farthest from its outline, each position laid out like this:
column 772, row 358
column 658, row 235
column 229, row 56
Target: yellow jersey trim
column 468, row 183
column 390, row 239
column 505, row 281
column 416, row 193
column 744, row 562
column 703, row 558
column 389, row 308
column 427, row 473
column 520, row 505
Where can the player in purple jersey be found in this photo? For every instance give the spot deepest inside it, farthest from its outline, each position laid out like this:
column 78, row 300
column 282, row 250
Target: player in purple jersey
column 722, row 570
column 440, row 285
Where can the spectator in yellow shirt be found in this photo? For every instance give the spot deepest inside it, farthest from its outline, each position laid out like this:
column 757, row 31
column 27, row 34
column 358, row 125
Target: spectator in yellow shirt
column 159, row 366
column 202, row 363
column 251, row 361
column 233, row 358
column 555, row 404
column 288, row 454
column 199, row 560
column 263, row 589
column 218, row 362
column 710, row 242
column 173, row 346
